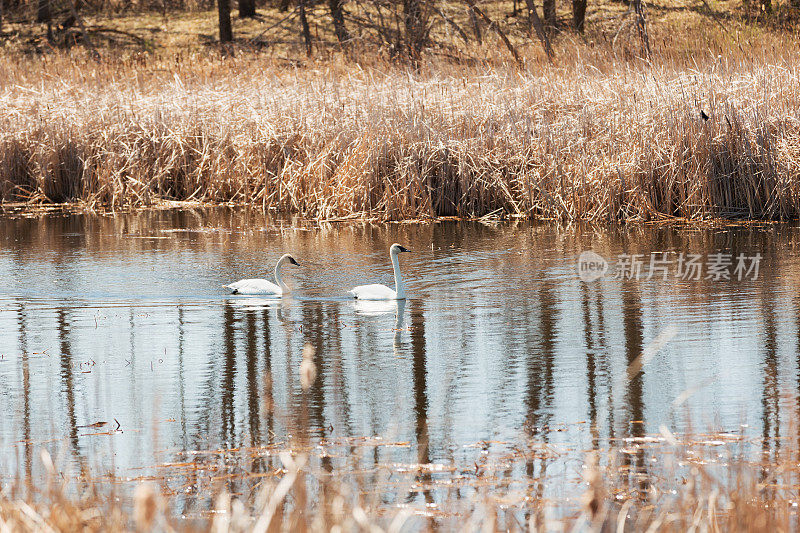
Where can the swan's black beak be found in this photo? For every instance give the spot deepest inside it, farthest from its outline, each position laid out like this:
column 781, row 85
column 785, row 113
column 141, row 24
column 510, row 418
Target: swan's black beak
column 404, row 249
column 292, row 261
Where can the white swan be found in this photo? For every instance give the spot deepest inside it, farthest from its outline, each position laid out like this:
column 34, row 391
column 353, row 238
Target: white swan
column 262, row 286
column 382, row 292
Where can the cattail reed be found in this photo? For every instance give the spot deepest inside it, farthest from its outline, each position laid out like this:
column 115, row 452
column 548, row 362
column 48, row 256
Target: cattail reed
column 595, row 138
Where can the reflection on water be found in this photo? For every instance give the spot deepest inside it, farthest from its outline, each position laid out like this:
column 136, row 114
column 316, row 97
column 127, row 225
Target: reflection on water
column 122, row 320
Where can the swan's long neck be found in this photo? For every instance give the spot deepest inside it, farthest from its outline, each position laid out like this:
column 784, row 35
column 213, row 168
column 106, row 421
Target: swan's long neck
column 399, row 287
column 278, row 278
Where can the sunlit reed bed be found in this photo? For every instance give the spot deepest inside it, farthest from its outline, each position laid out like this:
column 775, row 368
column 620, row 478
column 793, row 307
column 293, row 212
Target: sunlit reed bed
column 596, row 137
column 708, row 482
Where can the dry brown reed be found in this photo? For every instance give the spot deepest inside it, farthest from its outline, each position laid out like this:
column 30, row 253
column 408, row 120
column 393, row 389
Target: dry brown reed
column 597, row 136
column 704, row 482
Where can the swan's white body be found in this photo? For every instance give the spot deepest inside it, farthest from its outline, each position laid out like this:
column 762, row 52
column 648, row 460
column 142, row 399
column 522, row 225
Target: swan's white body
column 382, row 292
column 262, row 286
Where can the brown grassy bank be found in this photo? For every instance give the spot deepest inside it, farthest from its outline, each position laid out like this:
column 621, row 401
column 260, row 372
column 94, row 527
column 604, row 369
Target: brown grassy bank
column 598, row 136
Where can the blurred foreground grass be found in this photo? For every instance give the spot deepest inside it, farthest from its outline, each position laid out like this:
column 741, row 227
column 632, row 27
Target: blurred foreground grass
column 702, row 482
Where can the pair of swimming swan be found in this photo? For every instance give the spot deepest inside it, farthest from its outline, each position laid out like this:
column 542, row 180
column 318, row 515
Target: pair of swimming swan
column 362, row 292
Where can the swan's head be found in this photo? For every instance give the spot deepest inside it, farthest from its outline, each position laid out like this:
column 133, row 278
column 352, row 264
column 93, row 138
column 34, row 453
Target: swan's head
column 396, row 249
column 288, row 258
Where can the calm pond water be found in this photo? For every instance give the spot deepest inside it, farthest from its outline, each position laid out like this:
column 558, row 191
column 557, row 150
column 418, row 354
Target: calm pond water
column 123, row 319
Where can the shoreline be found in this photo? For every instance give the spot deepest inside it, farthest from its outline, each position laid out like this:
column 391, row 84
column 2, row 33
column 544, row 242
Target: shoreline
column 30, row 210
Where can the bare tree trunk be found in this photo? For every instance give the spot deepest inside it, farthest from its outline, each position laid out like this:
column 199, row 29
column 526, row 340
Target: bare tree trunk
column 43, row 11
column 641, row 25
column 493, row 25
column 549, row 12
column 476, row 25
column 74, row 6
column 415, row 31
column 247, row 8
column 536, row 23
column 305, row 28
column 337, row 14
column 225, row 29
column 579, row 14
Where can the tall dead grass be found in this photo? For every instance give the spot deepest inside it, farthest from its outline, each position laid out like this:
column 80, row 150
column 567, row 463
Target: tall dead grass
column 596, row 137
column 703, row 482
